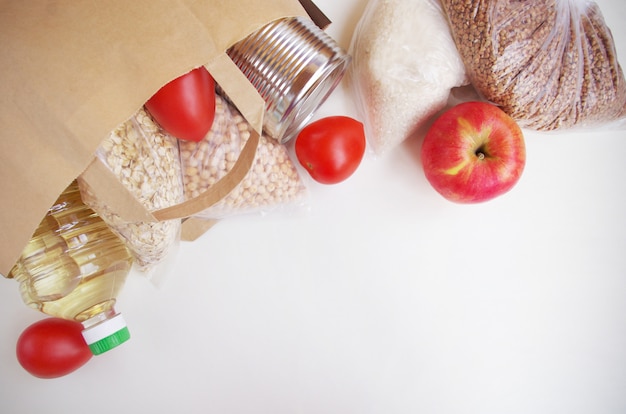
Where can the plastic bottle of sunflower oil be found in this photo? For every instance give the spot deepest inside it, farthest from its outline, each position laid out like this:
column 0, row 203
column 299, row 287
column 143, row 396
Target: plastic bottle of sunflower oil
column 73, row 267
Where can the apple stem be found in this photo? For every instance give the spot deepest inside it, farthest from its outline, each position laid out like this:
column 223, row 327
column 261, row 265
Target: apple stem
column 480, row 152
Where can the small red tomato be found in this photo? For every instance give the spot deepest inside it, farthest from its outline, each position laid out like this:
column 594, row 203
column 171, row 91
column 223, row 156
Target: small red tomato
column 185, row 107
column 331, row 148
column 52, row 347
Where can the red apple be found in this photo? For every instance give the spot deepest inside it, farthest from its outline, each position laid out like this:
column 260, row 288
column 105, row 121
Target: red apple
column 473, row 152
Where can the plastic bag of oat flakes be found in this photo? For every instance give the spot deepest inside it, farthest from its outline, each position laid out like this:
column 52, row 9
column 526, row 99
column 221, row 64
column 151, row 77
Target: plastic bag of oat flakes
column 550, row 64
column 146, row 161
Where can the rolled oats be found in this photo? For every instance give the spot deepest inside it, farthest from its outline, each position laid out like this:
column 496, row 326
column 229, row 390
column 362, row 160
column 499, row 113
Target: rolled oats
column 146, row 160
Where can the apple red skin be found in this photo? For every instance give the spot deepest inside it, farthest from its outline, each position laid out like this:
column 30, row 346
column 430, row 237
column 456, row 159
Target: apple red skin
column 452, row 148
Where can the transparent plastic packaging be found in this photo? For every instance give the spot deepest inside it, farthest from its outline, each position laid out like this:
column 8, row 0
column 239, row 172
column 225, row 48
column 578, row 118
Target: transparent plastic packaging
column 147, row 161
column 271, row 183
column 73, row 268
column 550, row 64
column 404, row 65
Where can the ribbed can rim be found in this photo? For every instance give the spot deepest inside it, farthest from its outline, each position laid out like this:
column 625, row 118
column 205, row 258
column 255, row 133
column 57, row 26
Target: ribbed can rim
column 294, row 65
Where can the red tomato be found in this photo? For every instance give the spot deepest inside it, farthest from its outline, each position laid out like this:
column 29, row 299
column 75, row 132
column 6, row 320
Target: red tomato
column 52, row 347
column 331, row 148
column 185, row 107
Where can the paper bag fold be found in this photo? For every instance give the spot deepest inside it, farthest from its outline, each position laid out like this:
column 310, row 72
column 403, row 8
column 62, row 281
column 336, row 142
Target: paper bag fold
column 70, row 72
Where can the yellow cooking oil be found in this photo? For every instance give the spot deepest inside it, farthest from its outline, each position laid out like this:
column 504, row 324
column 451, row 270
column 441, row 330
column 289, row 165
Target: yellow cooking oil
column 74, row 267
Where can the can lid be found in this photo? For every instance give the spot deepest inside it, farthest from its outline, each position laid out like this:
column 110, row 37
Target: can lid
column 107, row 334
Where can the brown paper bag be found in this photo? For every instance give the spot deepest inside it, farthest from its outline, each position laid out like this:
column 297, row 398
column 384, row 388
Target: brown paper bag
column 72, row 71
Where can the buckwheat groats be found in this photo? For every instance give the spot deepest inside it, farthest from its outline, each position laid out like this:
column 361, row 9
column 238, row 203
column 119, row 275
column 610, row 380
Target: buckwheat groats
column 550, row 64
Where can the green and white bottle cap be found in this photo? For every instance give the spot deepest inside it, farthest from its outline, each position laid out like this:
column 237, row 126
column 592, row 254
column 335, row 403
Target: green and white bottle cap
column 107, row 334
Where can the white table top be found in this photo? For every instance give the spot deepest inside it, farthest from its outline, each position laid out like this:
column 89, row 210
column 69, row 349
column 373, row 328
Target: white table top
column 379, row 297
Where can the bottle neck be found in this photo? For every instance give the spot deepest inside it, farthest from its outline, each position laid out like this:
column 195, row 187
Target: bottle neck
column 99, row 318
column 105, row 331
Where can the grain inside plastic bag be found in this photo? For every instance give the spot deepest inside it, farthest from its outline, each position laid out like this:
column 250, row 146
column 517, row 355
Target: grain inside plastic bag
column 550, row 64
column 272, row 183
column 147, row 161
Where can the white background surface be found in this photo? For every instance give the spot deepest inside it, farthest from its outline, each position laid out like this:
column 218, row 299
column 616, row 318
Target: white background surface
column 381, row 297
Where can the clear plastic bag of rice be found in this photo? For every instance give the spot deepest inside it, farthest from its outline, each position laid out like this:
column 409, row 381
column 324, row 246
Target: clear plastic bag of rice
column 404, row 66
column 147, row 161
column 271, row 183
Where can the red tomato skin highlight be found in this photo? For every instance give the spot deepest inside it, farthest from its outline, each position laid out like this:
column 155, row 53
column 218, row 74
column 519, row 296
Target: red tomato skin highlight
column 185, row 107
column 331, row 148
column 52, row 348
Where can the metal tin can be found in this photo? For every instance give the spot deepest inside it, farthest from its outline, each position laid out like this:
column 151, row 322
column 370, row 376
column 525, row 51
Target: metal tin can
column 295, row 66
